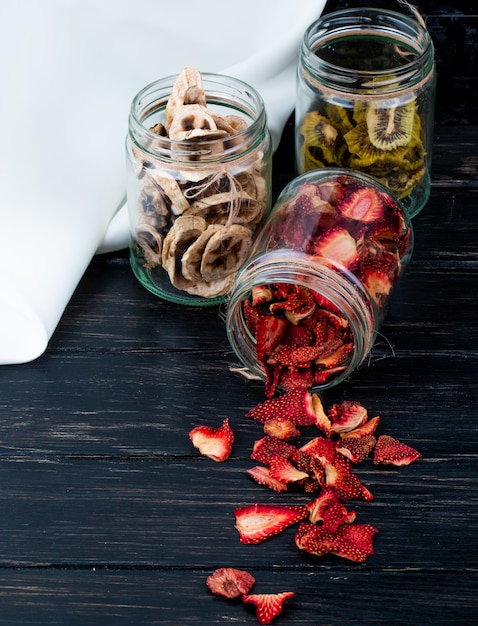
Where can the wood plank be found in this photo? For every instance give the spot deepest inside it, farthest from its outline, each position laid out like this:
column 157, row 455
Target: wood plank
column 165, row 513
column 351, row 597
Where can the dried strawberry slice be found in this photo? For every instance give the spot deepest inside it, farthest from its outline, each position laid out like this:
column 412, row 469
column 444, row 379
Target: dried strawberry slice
column 215, row 443
column 282, row 470
column 257, row 522
column 368, row 428
column 378, row 284
column 262, row 476
column 267, row 447
column 363, row 205
column 281, row 428
column 296, row 406
column 391, row 451
column 328, row 508
column 339, row 475
column 268, row 605
column 261, row 294
column 230, row 582
column 291, row 378
column 337, row 245
column 321, row 449
column 269, row 332
column 350, row 541
column 356, row 448
column 347, row 416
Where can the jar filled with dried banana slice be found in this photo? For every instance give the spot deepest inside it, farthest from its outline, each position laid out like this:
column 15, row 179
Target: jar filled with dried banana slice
column 365, row 99
column 199, row 173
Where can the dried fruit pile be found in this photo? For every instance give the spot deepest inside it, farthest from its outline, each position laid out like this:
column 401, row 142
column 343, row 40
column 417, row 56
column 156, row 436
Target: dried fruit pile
column 302, row 338
column 381, row 141
column 196, row 219
column 323, row 466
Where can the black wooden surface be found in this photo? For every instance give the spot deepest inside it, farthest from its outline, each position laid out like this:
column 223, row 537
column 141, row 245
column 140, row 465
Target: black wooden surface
column 108, row 515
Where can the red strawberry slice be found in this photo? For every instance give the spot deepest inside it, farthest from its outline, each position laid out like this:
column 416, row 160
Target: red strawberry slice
column 281, row 428
column 356, row 448
column 350, row 541
column 337, row 245
column 291, row 378
column 268, row 605
column 267, row 447
column 269, row 332
column 230, row 582
column 295, row 406
column 339, row 475
column 363, row 205
column 378, row 284
column 257, row 522
column 262, row 476
column 215, row 443
column 368, row 428
column 328, row 508
column 282, row 470
column 347, row 416
column 390, row 451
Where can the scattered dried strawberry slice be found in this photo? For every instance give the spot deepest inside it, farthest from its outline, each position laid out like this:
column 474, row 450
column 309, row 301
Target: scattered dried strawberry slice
column 368, row 428
column 268, row 447
column 268, row 605
column 284, row 471
column 350, row 541
column 364, row 205
column 215, row 443
column 257, row 522
column 281, row 428
column 339, row 475
column 347, row 416
column 391, row 451
column 329, row 509
column 230, row 582
column 262, row 476
column 296, row 406
column 356, row 448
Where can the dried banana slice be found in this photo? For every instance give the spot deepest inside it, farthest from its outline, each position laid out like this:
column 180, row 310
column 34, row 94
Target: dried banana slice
column 220, row 209
column 193, row 122
column 225, row 252
column 211, row 290
column 187, row 89
column 151, row 243
column 191, row 261
column 170, row 186
column 184, row 232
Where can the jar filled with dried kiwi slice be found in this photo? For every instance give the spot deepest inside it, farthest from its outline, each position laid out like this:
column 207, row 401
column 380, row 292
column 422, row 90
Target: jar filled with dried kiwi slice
column 198, row 183
column 365, row 99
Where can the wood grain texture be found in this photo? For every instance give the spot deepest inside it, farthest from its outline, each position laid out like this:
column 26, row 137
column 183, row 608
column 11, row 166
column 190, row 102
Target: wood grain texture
column 109, row 516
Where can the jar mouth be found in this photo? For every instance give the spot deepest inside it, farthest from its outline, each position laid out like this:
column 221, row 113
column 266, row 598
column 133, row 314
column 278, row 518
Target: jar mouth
column 358, row 24
column 330, row 280
column 225, row 95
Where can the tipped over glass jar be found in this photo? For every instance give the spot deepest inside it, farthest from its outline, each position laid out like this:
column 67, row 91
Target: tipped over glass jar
column 199, row 168
column 305, row 309
column 365, row 99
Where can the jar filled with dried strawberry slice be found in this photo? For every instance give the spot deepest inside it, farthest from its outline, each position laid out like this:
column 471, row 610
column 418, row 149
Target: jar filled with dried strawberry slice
column 305, row 309
column 365, row 99
column 199, row 168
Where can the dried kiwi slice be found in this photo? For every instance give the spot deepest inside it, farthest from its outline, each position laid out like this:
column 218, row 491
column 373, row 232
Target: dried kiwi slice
column 323, row 141
column 390, row 127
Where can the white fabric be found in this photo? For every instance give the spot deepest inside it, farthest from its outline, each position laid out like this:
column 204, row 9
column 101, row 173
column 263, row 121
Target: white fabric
column 69, row 70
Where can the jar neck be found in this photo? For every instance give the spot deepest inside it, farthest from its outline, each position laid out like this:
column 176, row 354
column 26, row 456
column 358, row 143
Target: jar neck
column 338, row 286
column 402, row 57
column 224, row 95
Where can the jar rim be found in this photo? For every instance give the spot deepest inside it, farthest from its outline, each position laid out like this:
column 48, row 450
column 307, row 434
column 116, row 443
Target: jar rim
column 361, row 22
column 218, row 87
column 342, row 288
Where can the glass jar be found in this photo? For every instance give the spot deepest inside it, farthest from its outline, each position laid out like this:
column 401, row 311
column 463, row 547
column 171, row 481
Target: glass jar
column 196, row 198
column 305, row 309
column 365, row 99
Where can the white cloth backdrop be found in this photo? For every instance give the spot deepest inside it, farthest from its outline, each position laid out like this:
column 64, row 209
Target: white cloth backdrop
column 69, row 70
